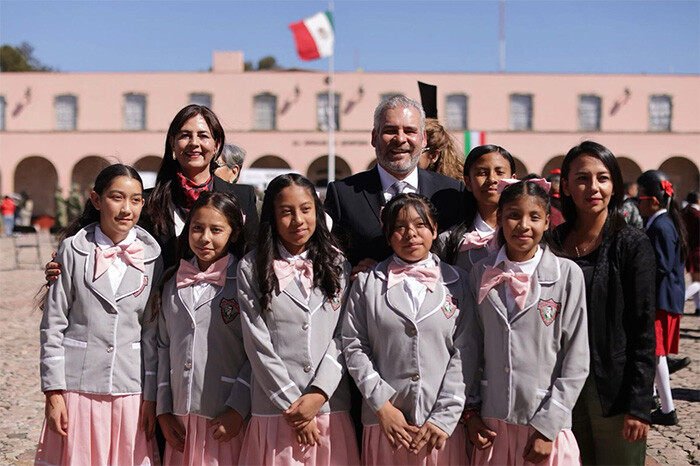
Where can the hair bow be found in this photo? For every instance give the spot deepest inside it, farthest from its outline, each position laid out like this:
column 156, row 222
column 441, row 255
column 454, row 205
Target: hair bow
column 667, row 187
column 541, row 182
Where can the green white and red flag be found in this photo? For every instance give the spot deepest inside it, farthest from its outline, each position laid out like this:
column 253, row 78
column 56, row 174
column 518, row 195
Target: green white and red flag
column 314, row 36
column 473, row 139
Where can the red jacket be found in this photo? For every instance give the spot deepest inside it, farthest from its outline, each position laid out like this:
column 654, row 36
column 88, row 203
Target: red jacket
column 7, row 207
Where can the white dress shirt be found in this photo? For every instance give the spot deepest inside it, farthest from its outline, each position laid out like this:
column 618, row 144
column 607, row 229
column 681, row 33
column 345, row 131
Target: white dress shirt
column 116, row 270
column 527, row 267
column 297, row 273
column 415, row 289
column 388, row 180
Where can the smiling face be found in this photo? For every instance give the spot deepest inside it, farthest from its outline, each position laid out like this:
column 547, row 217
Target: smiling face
column 120, row 206
column 589, row 184
column 523, row 223
column 194, row 148
column 209, row 235
column 484, row 176
column 295, row 218
column 412, row 237
column 399, row 141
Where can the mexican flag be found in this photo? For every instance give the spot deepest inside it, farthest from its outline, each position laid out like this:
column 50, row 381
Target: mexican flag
column 473, row 139
column 314, row 36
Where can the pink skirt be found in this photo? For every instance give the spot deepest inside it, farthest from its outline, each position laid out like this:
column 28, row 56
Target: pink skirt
column 201, row 447
column 102, row 429
column 269, row 440
column 377, row 450
column 509, row 445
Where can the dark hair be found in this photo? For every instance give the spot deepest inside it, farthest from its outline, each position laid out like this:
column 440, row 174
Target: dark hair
column 515, row 192
column 104, row 179
column 650, row 181
column 424, row 208
column 165, row 190
column 322, row 247
column 451, row 247
column 692, row 197
column 228, row 206
column 90, row 214
column 615, row 218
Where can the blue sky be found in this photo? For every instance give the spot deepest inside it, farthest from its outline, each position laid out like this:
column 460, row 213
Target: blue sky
column 577, row 36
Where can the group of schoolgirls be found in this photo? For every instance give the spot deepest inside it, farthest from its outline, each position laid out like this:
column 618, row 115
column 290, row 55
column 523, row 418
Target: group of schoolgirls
column 246, row 359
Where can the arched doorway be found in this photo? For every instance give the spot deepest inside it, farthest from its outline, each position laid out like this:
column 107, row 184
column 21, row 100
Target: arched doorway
column 554, row 162
column 148, row 169
column 629, row 168
column 684, row 175
column 264, row 169
column 318, row 170
column 37, row 177
column 86, row 170
column 520, row 168
column 270, row 161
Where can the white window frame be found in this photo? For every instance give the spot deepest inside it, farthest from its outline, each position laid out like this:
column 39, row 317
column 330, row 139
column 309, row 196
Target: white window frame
column 589, row 112
column 516, row 115
column 201, row 98
column 322, row 111
column 3, row 112
column 660, row 119
column 456, row 111
column 66, row 112
column 265, row 112
column 131, row 122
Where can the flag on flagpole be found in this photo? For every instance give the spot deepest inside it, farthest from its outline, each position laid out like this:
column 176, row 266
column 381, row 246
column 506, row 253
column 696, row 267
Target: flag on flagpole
column 473, row 139
column 314, row 36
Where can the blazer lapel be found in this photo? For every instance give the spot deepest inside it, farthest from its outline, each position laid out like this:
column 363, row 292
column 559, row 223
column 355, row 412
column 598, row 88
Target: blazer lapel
column 209, row 294
column 186, row 296
column 294, row 293
column 131, row 282
column 434, row 301
column 373, row 192
column 316, row 300
column 102, row 286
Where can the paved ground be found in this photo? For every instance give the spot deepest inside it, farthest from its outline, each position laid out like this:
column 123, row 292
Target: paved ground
column 21, row 402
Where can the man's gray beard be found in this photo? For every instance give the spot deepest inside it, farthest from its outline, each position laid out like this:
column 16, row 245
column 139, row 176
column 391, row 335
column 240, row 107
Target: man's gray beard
column 392, row 168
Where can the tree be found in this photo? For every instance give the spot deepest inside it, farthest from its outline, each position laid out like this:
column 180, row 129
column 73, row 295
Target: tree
column 20, row 59
column 267, row 63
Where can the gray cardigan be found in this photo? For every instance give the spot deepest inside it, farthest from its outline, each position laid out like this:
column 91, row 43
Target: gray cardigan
column 92, row 339
column 536, row 361
column 202, row 366
column 413, row 361
column 295, row 346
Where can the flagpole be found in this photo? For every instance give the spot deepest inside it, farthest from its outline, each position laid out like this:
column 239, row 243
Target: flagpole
column 502, row 37
column 331, row 106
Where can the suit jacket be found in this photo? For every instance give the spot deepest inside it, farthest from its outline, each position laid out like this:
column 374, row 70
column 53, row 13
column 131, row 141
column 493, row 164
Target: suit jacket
column 354, row 204
column 243, row 193
column 621, row 320
column 670, row 274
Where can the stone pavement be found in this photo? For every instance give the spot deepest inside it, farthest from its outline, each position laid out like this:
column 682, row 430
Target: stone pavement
column 22, row 403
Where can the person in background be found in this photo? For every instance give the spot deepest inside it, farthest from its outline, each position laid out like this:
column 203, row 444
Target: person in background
column 630, row 210
column 74, row 203
column 7, row 208
column 230, row 163
column 441, row 155
column 25, row 213
column 666, row 231
column 556, row 218
column 691, row 217
column 612, row 415
column 61, row 209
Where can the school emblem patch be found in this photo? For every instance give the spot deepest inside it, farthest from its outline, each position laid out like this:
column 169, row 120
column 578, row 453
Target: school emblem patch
column 229, row 310
column 449, row 307
column 335, row 301
column 143, row 286
column 548, row 310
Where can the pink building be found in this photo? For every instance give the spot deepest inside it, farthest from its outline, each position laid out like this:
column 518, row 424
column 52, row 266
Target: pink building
column 61, row 128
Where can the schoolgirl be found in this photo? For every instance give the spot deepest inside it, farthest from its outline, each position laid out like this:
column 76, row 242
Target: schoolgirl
column 474, row 238
column 404, row 337
column 290, row 290
column 665, row 229
column 530, row 307
column 203, row 374
column 95, row 333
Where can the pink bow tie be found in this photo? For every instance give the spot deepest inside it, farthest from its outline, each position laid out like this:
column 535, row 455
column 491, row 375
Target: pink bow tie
column 428, row 276
column 131, row 254
column 188, row 274
column 518, row 282
column 286, row 271
column 473, row 240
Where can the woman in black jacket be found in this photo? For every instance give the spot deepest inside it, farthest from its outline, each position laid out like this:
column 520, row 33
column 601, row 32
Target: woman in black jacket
column 611, row 418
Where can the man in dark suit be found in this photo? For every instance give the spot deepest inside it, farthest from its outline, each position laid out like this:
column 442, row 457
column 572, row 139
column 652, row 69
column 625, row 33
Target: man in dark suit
column 398, row 138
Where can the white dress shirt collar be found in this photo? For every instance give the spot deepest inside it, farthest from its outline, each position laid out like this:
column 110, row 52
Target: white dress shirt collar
column 653, row 217
column 388, row 179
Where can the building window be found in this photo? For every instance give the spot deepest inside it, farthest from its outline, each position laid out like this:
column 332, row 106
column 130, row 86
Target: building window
column 322, row 111
column 589, row 113
column 387, row 95
column 2, row 113
column 134, row 112
column 66, row 111
column 201, row 98
column 265, row 111
column 660, row 113
column 520, row 112
column 456, row 112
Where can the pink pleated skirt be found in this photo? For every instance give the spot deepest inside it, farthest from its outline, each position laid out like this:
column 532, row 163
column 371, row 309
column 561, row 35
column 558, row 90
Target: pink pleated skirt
column 270, row 441
column 201, row 447
column 376, row 450
column 102, row 429
column 509, row 445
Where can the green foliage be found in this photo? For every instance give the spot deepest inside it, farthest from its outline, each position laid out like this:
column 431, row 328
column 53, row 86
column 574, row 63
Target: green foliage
column 20, row 59
column 267, row 63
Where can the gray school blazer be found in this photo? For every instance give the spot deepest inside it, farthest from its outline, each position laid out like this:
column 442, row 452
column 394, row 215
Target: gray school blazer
column 295, row 347
column 536, row 361
column 92, row 339
column 414, row 362
column 202, row 366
